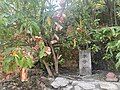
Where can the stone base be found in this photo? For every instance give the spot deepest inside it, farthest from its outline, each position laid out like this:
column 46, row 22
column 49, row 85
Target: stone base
column 62, row 83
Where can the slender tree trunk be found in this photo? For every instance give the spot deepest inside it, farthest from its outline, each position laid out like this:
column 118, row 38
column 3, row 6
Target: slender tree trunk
column 24, row 74
column 109, row 5
column 55, row 59
column 115, row 18
column 48, row 68
column 111, row 18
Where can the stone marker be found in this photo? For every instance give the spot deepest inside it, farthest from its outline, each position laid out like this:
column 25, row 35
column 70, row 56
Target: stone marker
column 85, row 62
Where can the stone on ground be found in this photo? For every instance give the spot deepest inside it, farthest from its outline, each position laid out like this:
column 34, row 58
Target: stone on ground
column 108, row 86
column 111, row 77
column 60, row 82
column 69, row 87
column 84, row 85
column 77, row 88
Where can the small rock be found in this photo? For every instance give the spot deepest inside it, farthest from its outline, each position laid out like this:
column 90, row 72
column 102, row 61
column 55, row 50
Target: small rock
column 4, row 88
column 108, row 86
column 74, row 83
column 68, row 87
column 97, row 86
column 89, row 80
column 77, row 88
column 111, row 77
column 84, row 85
column 60, row 82
column 51, row 80
column 97, row 89
column 13, row 88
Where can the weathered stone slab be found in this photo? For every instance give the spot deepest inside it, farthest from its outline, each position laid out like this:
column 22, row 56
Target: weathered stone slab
column 84, row 85
column 60, row 82
column 85, row 62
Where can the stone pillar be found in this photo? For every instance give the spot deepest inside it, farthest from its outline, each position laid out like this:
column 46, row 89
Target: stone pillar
column 85, row 62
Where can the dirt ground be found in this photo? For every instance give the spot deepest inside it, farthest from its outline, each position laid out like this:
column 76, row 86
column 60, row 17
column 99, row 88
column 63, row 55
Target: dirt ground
column 37, row 81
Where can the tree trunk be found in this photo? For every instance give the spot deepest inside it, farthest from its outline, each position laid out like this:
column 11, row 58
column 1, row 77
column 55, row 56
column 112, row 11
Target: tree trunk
column 55, row 59
column 115, row 18
column 109, row 5
column 48, row 68
column 24, row 74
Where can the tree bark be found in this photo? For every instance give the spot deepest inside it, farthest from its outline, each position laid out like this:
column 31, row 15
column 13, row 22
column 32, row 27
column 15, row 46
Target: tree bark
column 24, row 74
column 55, row 59
column 109, row 5
column 115, row 18
column 48, row 68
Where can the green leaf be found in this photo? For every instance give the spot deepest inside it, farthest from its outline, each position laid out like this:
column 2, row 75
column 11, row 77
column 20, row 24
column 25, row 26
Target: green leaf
column 7, row 63
column 20, row 61
column 113, row 32
column 35, row 28
column 8, row 50
column 42, row 53
column 29, row 62
column 42, row 49
column 95, row 48
column 22, row 27
column 118, row 44
column 118, row 56
column 117, row 65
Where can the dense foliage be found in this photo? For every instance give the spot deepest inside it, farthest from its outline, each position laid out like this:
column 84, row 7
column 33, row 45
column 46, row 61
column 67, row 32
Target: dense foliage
column 37, row 30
